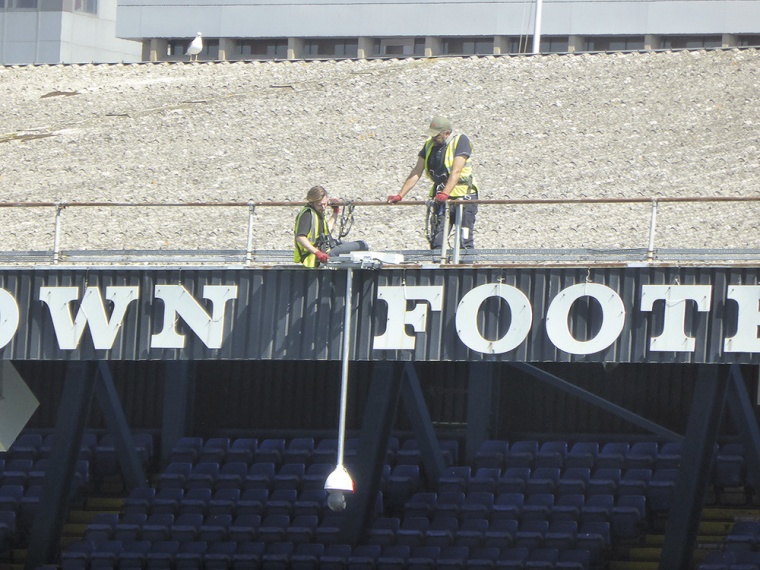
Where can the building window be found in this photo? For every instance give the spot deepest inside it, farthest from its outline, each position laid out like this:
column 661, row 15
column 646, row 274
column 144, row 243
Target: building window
column 691, row 42
column 554, row 44
column 748, row 41
column 467, row 46
column 89, row 6
column 614, row 43
column 22, row 4
column 331, row 48
column 262, row 49
column 399, row 46
column 176, row 49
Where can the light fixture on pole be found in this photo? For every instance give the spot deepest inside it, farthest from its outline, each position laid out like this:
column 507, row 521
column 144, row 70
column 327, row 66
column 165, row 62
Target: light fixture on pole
column 339, row 482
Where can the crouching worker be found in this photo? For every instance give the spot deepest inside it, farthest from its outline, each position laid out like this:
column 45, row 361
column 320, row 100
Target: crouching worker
column 314, row 243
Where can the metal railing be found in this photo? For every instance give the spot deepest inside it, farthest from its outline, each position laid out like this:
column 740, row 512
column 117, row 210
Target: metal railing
column 251, row 255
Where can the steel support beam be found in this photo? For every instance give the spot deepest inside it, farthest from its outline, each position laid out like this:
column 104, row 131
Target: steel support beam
column 709, row 400
column 73, row 413
column 742, row 413
column 413, row 401
column 606, row 405
column 108, row 399
column 480, row 406
column 367, row 469
column 179, row 377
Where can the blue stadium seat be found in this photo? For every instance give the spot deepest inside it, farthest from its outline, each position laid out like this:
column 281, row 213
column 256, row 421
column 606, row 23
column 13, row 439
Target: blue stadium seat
column 139, row 500
column 335, row 556
column 582, row 454
column 161, row 555
column 186, row 526
column 538, row 507
column 660, row 489
column 273, row 527
column 277, row 555
column 316, row 475
column 573, row 559
column 508, row 506
column 157, row 527
column 472, row 532
column 628, row 516
column 224, row 501
column 423, row 558
column 669, row 456
column 642, row 455
column 10, row 497
column 215, row 528
column 568, row 507
column 452, row 557
column 167, row 500
column 252, row 501
column 542, row 558
column 364, row 556
column 421, row 504
column 107, row 553
column 477, row 504
column 16, row 471
column 604, row 481
column 513, row 558
column 203, row 474
column 298, row 450
column 393, row 557
column 289, row 476
column 328, row 531
column 195, row 500
column 484, row 480
column 551, row 454
column 190, row 555
column 491, row 453
column 501, row 533
column 530, row 533
column 522, row 453
column 129, row 526
column 231, row 475
column 242, row 449
column 270, row 451
column 225, row 554
column 594, row 537
column 214, row 450
column 412, row 530
column 597, row 508
column 186, row 450
column 574, row 480
column 513, row 480
column 306, row 556
column 561, row 534
column 303, row 528
column 612, row 455
column 455, row 478
column 260, row 476
column 101, row 527
column 634, row 482
column 441, row 531
column 483, row 557
column 744, row 535
column 281, row 502
column 383, row 530
column 77, row 555
column 310, row 502
column 448, row 504
column 175, row 476
column 26, row 446
column 244, row 528
column 542, row 480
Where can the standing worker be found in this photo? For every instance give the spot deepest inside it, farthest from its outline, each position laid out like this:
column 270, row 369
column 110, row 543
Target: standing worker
column 314, row 243
column 445, row 158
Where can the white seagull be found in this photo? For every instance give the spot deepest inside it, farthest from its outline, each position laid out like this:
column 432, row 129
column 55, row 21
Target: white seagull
column 195, row 47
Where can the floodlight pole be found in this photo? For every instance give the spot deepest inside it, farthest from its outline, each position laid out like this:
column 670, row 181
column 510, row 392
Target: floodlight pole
column 344, row 364
column 537, row 30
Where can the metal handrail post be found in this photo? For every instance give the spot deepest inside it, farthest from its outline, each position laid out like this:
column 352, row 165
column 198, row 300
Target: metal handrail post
column 652, row 224
column 445, row 237
column 458, row 228
column 57, row 233
column 249, row 245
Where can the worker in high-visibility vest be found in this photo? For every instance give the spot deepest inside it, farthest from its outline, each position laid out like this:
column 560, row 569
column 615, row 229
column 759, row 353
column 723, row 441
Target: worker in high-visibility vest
column 445, row 159
column 314, row 244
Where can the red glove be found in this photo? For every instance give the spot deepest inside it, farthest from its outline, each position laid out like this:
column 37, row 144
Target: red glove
column 394, row 199
column 441, row 197
column 321, row 256
column 334, row 205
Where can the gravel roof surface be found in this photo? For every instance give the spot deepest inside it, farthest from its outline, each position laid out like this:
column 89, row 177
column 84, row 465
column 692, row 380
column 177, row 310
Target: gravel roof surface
column 603, row 126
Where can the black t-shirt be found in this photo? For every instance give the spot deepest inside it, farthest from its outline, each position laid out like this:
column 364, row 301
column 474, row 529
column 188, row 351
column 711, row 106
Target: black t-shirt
column 436, row 168
column 304, row 223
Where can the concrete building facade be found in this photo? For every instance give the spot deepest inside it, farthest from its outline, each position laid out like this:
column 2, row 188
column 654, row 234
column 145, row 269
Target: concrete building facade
column 62, row 31
column 253, row 29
